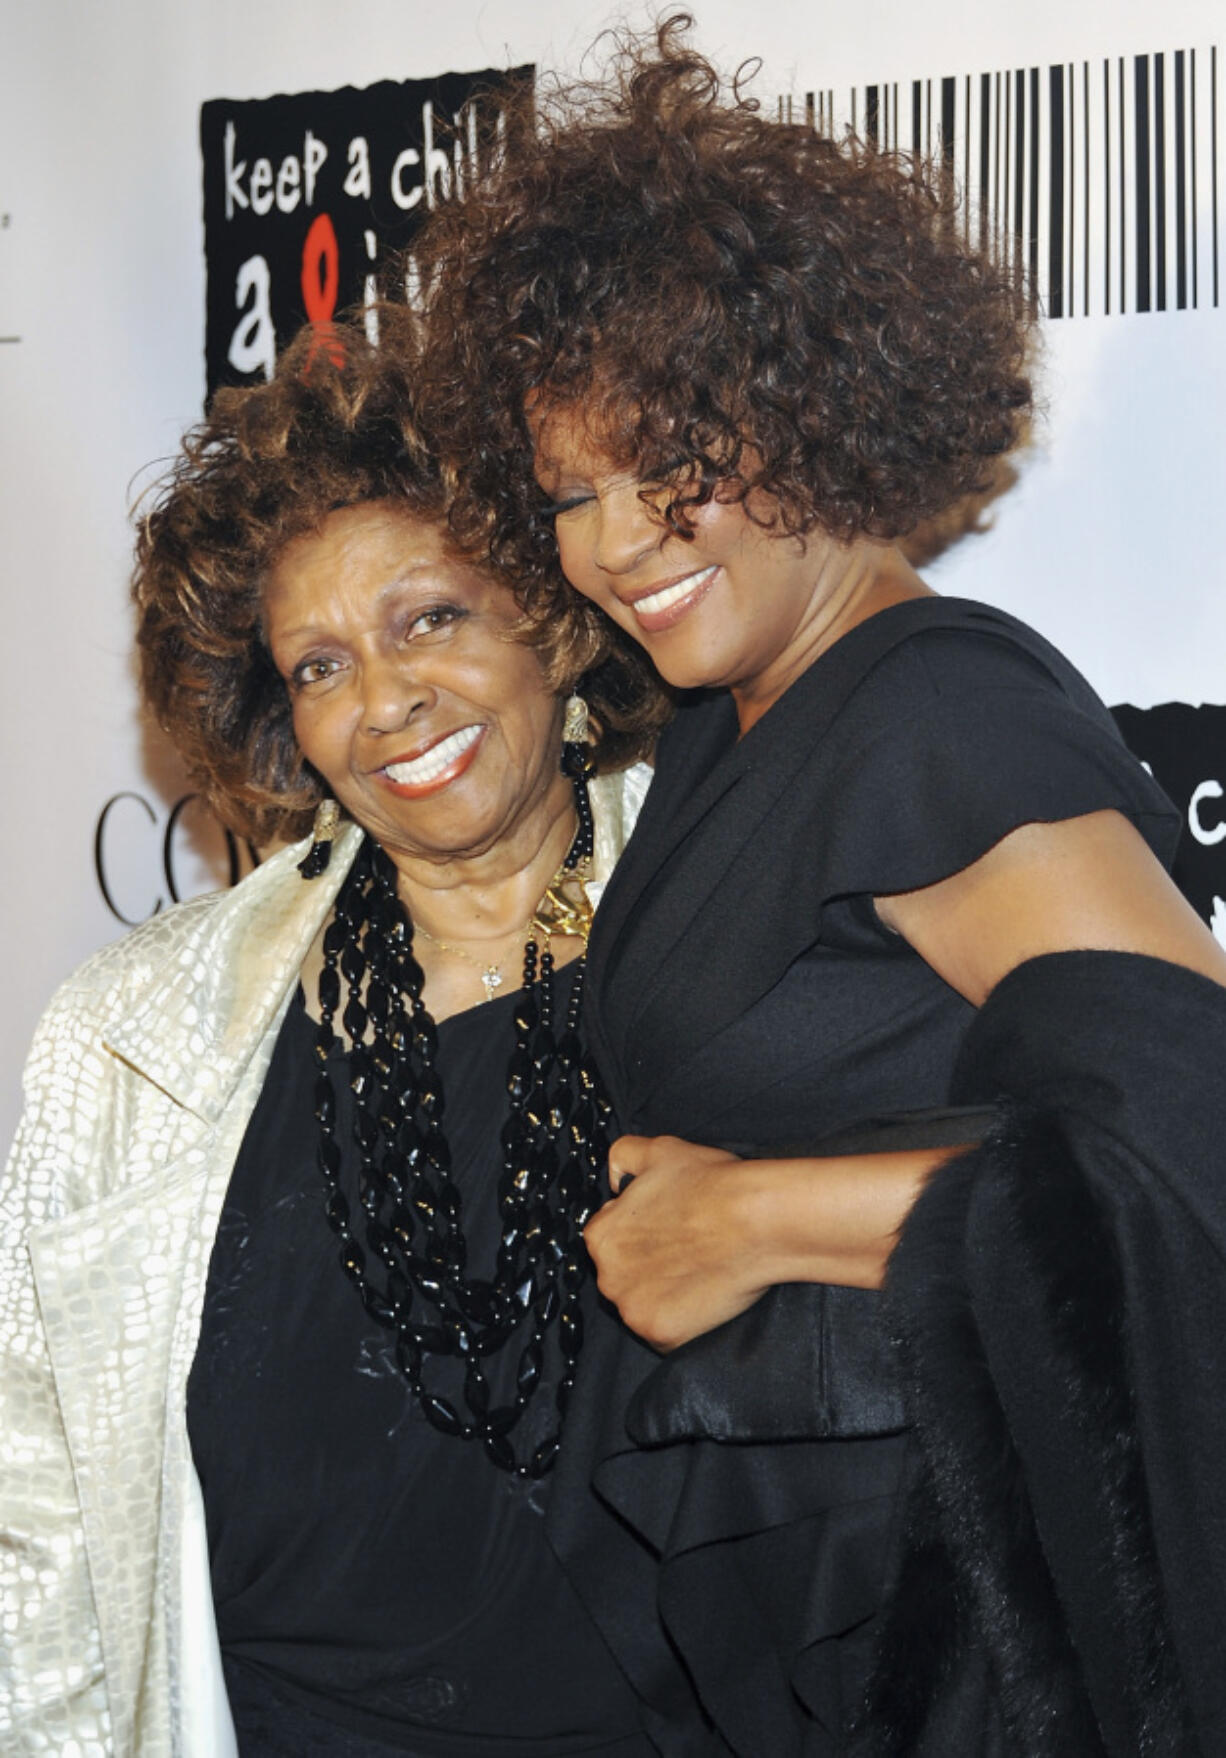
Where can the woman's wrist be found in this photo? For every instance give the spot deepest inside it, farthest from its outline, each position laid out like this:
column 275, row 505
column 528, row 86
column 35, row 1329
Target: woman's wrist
column 781, row 1219
column 828, row 1220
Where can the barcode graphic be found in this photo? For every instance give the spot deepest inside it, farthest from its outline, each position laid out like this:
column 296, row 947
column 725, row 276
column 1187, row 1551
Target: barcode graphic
column 1100, row 178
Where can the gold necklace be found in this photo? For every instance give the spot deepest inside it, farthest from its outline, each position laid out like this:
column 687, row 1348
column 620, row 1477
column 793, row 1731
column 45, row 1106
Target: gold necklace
column 490, row 974
column 564, row 910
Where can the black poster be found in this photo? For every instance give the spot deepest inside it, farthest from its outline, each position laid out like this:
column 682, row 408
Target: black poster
column 307, row 198
column 1184, row 748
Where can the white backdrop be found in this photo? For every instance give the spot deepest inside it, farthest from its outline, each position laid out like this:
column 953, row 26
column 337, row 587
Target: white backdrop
column 1110, row 542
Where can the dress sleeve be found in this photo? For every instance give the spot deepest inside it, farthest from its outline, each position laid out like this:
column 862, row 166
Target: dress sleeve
column 958, row 738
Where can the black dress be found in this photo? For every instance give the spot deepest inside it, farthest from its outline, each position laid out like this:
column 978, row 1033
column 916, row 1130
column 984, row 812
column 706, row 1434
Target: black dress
column 379, row 1588
column 745, row 994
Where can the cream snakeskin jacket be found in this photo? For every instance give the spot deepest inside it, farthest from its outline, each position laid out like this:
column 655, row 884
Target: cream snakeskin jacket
column 139, row 1086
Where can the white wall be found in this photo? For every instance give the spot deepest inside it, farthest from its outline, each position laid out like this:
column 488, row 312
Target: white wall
column 1110, row 542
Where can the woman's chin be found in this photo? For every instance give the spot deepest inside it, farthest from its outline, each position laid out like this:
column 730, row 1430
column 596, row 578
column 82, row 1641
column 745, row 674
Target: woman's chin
column 687, row 670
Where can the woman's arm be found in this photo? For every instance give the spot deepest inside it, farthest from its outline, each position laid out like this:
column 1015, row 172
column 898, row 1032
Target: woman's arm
column 700, row 1234
column 1087, row 884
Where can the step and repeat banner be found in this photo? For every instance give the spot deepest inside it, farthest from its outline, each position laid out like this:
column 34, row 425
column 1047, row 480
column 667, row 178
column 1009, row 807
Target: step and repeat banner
column 178, row 192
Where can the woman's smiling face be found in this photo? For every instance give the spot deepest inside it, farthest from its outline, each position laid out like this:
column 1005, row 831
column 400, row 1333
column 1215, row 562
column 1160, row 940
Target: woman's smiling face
column 732, row 606
column 429, row 722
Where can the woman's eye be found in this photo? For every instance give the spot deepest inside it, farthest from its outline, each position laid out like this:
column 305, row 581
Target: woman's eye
column 566, row 504
column 438, row 616
column 312, row 671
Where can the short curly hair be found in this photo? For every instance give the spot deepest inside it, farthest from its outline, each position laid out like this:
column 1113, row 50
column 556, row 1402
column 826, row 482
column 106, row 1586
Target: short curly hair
column 733, row 301
column 335, row 427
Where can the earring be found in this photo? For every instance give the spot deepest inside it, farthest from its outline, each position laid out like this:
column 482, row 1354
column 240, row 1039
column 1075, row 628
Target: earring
column 327, row 821
column 578, row 765
column 574, row 725
column 576, row 756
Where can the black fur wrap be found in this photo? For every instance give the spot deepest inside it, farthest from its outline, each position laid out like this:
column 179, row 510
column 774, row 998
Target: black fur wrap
column 1057, row 1305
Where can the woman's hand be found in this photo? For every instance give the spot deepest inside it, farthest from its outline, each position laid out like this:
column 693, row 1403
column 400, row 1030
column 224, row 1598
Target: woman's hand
column 675, row 1253
column 696, row 1235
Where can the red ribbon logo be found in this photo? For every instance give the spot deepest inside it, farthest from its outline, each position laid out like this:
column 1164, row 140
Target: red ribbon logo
column 321, row 279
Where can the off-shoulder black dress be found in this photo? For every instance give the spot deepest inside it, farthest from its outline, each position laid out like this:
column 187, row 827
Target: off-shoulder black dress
column 745, row 994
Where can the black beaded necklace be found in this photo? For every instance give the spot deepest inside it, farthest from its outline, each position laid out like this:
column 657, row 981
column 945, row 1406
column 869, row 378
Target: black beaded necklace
column 554, row 1146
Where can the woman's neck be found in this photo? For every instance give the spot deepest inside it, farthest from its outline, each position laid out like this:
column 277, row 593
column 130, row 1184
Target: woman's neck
column 853, row 584
column 471, row 913
column 490, row 894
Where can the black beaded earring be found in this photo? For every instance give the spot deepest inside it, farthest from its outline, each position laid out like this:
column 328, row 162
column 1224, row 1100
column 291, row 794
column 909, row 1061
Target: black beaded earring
column 579, row 766
column 323, row 831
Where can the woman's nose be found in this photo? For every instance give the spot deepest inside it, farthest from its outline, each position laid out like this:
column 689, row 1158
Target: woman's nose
column 394, row 689
column 629, row 530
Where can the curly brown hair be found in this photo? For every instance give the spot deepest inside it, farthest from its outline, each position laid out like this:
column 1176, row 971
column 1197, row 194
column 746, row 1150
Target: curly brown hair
column 335, row 427
column 732, row 299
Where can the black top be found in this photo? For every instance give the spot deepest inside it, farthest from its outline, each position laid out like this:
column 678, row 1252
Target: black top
column 376, row 1584
column 742, row 990
column 743, row 993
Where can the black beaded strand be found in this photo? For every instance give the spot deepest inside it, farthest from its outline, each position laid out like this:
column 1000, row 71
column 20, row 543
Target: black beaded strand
column 554, row 1143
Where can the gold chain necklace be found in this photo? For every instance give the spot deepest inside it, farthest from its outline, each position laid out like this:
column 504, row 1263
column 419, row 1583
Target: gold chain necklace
column 490, row 974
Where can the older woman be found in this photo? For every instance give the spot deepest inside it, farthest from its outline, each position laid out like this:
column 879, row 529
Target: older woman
column 293, row 1294
column 895, row 860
